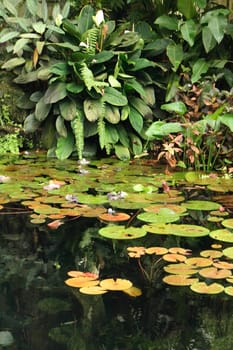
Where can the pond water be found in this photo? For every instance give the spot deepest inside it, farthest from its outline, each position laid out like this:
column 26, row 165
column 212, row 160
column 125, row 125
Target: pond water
column 150, row 254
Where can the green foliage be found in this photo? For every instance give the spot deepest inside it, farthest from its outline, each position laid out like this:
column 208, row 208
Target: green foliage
column 81, row 72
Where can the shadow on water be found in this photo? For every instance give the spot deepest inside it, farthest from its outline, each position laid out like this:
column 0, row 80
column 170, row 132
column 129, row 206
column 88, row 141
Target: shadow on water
column 38, row 311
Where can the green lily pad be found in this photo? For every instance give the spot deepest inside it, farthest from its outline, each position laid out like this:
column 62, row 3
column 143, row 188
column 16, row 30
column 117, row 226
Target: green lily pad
column 120, row 232
column 204, row 288
column 222, row 235
column 228, row 252
column 183, row 230
column 199, row 178
column 201, row 205
column 163, row 216
column 155, row 208
column 228, row 223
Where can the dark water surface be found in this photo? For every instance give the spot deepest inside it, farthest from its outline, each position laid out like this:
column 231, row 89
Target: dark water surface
column 38, row 311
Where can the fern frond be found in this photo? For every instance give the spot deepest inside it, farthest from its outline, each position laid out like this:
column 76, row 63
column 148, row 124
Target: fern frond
column 77, row 125
column 89, row 79
column 92, row 40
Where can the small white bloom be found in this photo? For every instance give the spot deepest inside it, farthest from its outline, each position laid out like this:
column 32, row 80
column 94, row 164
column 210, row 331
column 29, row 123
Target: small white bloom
column 82, row 44
column 58, row 20
column 98, row 18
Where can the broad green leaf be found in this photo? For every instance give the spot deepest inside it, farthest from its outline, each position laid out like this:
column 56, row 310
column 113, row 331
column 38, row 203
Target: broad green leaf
column 217, row 26
column 85, row 20
column 68, row 109
column 200, row 67
column 13, row 62
column 122, row 152
column 66, row 9
column 43, row 10
column 31, row 124
column 157, row 46
column 10, row 6
column 55, row 92
column 112, row 114
column 227, row 119
column 133, row 84
column 136, row 144
column 172, row 86
column 175, row 54
column 189, row 31
column 187, row 8
column 25, row 78
column 60, row 68
column 113, row 82
column 208, row 39
column 149, row 95
column 176, row 107
column 93, row 109
column 65, row 146
column 60, row 127
column 140, row 63
column 39, row 27
column 20, row 44
column 30, row 36
column 201, row 3
column 125, row 112
column 111, row 134
column 75, row 88
column 167, row 22
column 32, row 6
column 136, row 120
column 114, row 97
column 8, row 36
column 123, row 135
column 159, row 129
column 42, row 109
column 141, row 106
column 102, row 56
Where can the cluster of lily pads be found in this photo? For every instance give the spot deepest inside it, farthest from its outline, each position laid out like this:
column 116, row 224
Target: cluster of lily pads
column 89, row 283
column 200, row 273
column 130, row 200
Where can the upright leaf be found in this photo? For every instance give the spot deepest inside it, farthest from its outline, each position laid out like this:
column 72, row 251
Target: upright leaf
column 217, row 26
column 200, row 67
column 65, row 146
column 85, row 20
column 42, row 110
column 32, row 6
column 208, row 39
column 189, row 31
column 187, row 8
column 136, row 120
column 55, row 92
column 175, row 54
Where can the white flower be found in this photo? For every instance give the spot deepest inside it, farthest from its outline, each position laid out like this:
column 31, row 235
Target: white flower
column 98, row 18
column 58, row 19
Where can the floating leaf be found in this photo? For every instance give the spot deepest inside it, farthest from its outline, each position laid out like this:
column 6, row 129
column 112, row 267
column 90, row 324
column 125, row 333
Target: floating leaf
column 156, row 250
column 159, row 217
column 179, row 280
column 120, row 232
column 184, row 230
column 201, row 205
column 229, row 290
column 78, row 282
column 114, row 217
column 228, row 252
column 133, row 291
column 93, row 290
column 172, row 257
column 222, row 235
column 214, row 273
column 214, row 254
column 116, row 284
column 204, row 288
column 180, row 269
column 136, row 252
column 228, row 223
column 198, row 262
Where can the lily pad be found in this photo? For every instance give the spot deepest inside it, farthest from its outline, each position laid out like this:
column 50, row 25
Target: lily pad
column 228, row 223
column 156, row 250
column 222, row 235
column 204, row 288
column 228, row 252
column 162, row 217
column 133, row 291
column 116, row 284
column 229, row 290
column 155, row 208
column 120, row 232
column 136, row 252
column 180, row 269
column 214, row 254
column 93, row 290
column 172, row 257
column 183, row 230
column 198, row 262
column 179, row 280
column 201, row 205
column 214, row 273
column 79, row 282
column 116, row 217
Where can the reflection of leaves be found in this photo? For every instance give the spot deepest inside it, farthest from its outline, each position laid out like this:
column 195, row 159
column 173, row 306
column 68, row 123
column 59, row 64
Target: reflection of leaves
column 53, row 305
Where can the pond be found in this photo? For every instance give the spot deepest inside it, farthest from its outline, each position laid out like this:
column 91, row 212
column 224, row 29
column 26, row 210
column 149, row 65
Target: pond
column 114, row 255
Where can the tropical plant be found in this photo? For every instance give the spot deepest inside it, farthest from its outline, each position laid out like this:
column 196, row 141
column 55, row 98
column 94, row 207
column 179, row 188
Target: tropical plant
column 84, row 77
